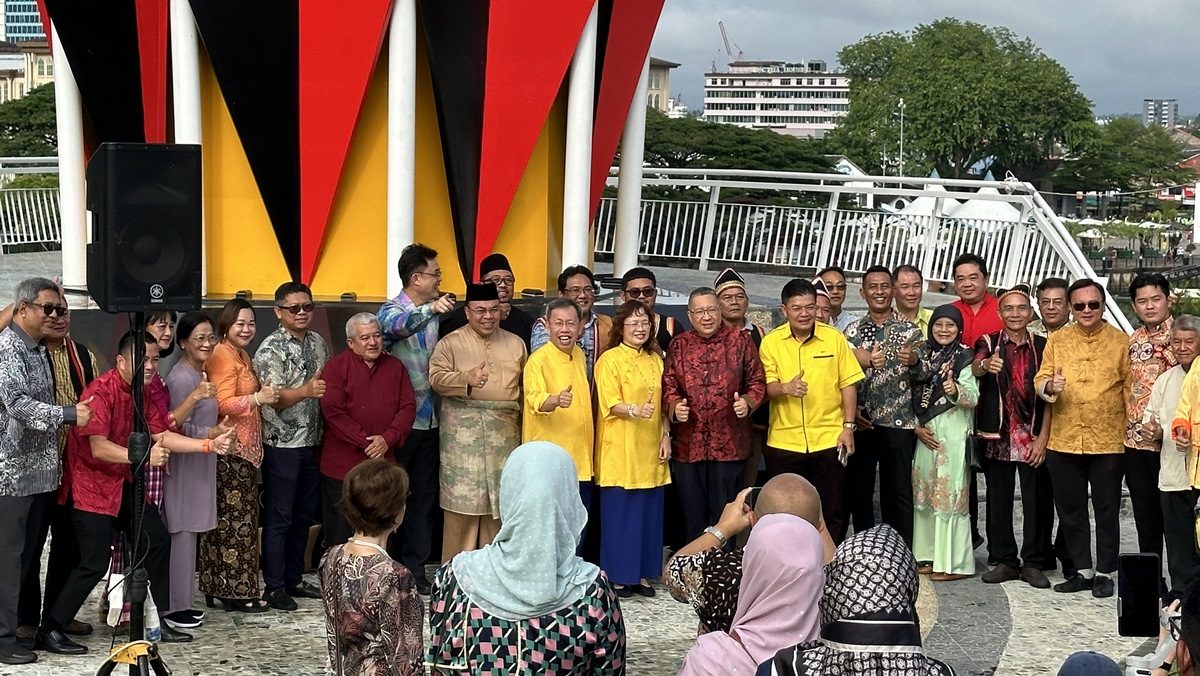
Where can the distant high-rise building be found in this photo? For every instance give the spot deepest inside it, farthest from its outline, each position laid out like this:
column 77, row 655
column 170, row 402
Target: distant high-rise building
column 22, row 21
column 798, row 99
column 1162, row 112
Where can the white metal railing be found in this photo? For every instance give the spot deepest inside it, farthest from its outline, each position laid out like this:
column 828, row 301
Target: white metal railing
column 29, row 216
column 797, row 220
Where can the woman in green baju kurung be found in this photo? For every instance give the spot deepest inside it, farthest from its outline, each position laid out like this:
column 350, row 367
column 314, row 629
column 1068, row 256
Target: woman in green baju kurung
column 943, row 400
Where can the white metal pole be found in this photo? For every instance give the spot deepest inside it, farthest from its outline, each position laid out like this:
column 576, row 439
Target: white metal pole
column 629, row 185
column 185, row 90
column 71, row 188
column 901, row 137
column 402, row 135
column 577, row 184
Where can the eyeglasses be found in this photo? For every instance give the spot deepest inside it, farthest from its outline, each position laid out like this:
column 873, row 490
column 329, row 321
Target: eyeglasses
column 501, row 281
column 52, row 310
column 1090, row 305
column 485, row 311
column 643, row 324
column 298, row 308
column 704, row 312
column 580, row 291
column 642, row 292
column 436, row 275
column 803, row 309
column 203, row 339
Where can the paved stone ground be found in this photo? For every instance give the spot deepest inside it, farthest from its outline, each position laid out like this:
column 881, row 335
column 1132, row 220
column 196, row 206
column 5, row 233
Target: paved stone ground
column 1008, row 629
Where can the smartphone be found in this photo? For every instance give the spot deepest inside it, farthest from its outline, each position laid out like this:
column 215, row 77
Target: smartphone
column 752, row 497
column 1138, row 576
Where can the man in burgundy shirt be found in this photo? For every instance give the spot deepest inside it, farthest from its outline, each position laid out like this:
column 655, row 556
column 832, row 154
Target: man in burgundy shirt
column 369, row 408
column 97, row 487
column 981, row 316
column 712, row 381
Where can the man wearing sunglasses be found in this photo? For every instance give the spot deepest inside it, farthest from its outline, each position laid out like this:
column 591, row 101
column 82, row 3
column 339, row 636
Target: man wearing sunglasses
column 290, row 359
column 1085, row 376
column 30, row 466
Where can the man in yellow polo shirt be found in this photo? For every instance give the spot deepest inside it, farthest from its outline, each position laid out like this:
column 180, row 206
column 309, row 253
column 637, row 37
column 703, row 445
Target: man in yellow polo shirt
column 811, row 372
column 1084, row 376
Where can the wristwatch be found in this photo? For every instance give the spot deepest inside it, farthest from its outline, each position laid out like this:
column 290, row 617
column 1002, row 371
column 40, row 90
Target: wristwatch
column 849, row 425
column 712, row 530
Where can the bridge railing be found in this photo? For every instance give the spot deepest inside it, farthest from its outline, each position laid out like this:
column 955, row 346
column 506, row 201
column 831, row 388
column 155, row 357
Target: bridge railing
column 28, row 216
column 804, row 222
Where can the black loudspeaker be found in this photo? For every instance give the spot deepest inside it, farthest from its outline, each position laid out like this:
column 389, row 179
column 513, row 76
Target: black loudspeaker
column 144, row 202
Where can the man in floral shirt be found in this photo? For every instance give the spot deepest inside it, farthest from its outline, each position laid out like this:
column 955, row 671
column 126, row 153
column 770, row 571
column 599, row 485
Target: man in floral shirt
column 712, row 381
column 887, row 347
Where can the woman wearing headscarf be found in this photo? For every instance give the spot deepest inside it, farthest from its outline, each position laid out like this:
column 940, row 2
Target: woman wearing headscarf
column 777, row 600
column 943, row 400
column 869, row 623
column 526, row 604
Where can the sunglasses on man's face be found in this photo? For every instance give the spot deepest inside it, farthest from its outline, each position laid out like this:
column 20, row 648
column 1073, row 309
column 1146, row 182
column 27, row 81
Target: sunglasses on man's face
column 1090, row 305
column 298, row 308
column 643, row 292
column 51, row 310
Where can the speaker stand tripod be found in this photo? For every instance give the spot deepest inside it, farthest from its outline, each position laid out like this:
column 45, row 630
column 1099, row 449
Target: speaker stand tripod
column 140, row 654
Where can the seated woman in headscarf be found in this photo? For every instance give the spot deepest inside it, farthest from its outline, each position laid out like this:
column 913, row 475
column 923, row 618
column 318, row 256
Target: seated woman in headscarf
column 868, row 615
column 777, row 600
column 526, row 604
column 943, row 400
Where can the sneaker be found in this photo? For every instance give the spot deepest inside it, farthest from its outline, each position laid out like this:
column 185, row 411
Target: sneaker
column 1034, row 578
column 1075, row 583
column 183, row 619
column 1001, row 573
column 1102, row 587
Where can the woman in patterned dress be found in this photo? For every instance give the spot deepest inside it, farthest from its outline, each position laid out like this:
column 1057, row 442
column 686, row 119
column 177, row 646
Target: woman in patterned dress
column 632, row 450
column 229, row 561
column 526, row 604
column 372, row 609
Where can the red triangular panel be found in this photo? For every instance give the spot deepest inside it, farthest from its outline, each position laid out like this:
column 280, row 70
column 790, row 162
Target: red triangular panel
column 630, row 31
column 530, row 45
column 152, row 62
column 339, row 47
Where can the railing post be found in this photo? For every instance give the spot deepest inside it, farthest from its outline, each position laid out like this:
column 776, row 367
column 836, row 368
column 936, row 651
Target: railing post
column 710, row 224
column 1016, row 251
column 930, row 238
column 827, row 230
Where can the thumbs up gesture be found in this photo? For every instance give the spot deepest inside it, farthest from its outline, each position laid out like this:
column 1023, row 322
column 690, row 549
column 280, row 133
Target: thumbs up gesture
column 907, row 354
column 994, row 364
column 477, row 377
column 798, row 387
column 1057, row 383
column 682, row 411
column 741, row 407
column 316, row 386
column 267, row 394
column 565, row 398
column 647, row 409
column 205, row 390
column 221, row 428
column 877, row 357
column 83, row 412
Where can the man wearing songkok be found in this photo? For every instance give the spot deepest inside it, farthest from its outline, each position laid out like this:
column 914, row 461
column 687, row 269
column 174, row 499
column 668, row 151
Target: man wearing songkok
column 578, row 285
column 712, row 381
column 1084, row 376
column 494, row 269
column 477, row 371
column 558, row 402
column 731, row 295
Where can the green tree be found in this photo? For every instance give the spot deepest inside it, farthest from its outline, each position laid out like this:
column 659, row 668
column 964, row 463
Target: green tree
column 689, row 143
column 27, row 127
column 970, row 92
column 1123, row 156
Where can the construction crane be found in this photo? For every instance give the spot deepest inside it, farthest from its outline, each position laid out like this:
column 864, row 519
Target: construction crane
column 728, row 50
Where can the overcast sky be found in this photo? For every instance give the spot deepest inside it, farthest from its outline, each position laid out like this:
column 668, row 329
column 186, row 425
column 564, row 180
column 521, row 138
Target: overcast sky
column 1118, row 51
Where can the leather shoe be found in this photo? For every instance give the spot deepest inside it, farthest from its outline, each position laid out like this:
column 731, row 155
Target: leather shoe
column 1102, row 587
column 424, row 588
column 77, row 628
column 170, row 635
column 1075, row 583
column 1034, row 578
column 279, row 600
column 1001, row 573
column 16, row 654
column 57, row 642
column 304, row 590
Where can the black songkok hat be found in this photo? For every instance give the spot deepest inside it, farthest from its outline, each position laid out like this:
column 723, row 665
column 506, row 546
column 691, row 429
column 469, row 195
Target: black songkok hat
column 728, row 277
column 493, row 262
column 482, row 292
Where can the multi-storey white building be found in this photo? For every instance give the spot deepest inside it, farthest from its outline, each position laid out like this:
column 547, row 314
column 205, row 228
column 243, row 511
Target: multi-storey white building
column 798, row 99
column 1162, row 112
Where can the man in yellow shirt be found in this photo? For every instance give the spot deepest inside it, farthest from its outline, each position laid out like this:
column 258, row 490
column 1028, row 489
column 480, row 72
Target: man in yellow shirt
column 811, row 373
column 558, row 404
column 1084, row 376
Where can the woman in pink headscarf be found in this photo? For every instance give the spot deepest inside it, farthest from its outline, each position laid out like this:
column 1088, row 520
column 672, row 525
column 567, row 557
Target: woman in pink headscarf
column 781, row 586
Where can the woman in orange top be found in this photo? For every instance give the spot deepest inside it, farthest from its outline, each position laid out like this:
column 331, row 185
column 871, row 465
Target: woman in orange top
column 229, row 562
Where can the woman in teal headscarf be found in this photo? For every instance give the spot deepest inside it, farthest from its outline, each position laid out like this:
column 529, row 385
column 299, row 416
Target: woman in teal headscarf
column 526, row 604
